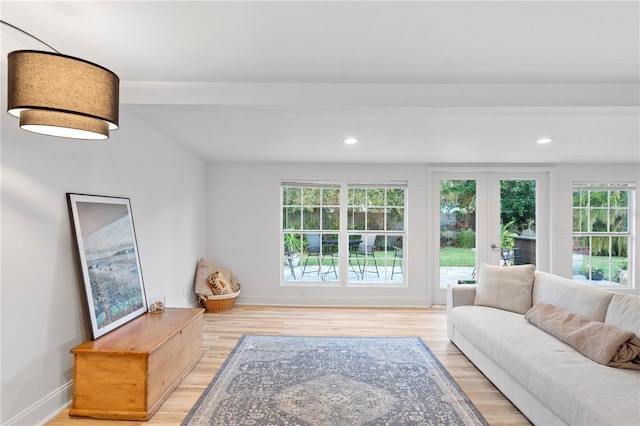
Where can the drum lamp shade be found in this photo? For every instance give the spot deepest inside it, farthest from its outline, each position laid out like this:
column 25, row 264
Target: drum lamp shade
column 59, row 95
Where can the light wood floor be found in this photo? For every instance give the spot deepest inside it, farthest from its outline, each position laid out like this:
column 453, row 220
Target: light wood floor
column 223, row 330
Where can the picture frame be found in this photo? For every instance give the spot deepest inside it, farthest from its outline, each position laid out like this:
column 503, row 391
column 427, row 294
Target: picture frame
column 107, row 250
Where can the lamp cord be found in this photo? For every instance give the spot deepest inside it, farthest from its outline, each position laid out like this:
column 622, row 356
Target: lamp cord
column 30, row 35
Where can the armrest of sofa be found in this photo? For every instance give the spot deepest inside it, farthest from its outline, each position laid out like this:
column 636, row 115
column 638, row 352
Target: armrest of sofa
column 458, row 295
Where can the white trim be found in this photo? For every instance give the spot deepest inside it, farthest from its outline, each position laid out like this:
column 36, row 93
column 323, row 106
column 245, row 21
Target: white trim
column 301, row 183
column 382, row 301
column 487, row 177
column 602, row 185
column 374, row 184
column 342, row 276
column 43, row 410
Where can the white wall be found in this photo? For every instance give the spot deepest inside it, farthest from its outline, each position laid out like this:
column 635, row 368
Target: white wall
column 244, row 233
column 245, row 218
column 42, row 308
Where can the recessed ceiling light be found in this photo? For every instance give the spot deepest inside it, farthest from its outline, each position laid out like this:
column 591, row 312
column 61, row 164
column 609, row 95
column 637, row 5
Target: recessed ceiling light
column 351, row 141
column 544, row 140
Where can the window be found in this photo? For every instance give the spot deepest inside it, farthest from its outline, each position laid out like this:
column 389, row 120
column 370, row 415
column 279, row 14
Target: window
column 376, row 224
column 603, row 232
column 368, row 241
column 310, row 225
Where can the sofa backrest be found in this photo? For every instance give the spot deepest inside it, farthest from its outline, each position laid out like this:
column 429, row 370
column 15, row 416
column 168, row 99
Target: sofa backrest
column 588, row 302
column 624, row 313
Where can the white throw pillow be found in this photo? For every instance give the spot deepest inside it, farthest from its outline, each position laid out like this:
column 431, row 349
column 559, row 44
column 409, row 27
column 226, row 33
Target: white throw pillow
column 505, row 287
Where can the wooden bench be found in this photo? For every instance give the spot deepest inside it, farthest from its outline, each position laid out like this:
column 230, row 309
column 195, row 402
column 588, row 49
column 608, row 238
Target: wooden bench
column 128, row 373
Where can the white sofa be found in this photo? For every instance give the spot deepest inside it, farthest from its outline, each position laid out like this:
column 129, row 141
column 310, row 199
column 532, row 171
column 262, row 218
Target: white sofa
column 549, row 381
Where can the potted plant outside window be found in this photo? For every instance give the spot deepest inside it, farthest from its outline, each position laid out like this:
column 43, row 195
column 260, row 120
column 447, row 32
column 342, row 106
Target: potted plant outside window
column 595, row 274
column 622, row 275
column 293, row 248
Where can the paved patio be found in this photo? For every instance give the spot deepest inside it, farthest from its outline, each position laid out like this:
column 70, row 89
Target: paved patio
column 448, row 275
column 327, row 274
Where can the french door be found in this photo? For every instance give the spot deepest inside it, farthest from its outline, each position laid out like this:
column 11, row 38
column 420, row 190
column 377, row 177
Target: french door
column 495, row 217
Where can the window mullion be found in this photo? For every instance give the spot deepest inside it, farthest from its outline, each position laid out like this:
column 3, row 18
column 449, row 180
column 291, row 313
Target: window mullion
column 343, row 237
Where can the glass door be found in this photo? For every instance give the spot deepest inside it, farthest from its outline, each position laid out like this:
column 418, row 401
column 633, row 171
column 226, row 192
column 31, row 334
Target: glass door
column 517, row 238
column 458, row 228
column 487, row 217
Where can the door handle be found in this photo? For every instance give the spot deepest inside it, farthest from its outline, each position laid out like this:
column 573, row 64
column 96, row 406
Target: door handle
column 494, row 247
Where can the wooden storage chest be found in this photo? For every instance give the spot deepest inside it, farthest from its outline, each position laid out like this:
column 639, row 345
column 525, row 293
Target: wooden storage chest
column 128, row 373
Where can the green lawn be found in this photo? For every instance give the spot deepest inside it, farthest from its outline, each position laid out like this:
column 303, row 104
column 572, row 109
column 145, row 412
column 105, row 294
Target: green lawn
column 452, row 256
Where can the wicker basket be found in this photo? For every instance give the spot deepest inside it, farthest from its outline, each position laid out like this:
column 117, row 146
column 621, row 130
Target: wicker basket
column 220, row 303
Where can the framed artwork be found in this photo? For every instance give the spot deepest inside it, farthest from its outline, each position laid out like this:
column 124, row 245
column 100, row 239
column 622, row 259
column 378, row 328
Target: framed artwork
column 108, row 254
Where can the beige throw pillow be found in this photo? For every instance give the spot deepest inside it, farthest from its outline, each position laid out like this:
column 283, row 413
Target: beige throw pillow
column 505, row 287
column 204, row 271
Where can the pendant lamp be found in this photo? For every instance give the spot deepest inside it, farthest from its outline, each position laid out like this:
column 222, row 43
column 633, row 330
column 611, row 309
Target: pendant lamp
column 59, row 95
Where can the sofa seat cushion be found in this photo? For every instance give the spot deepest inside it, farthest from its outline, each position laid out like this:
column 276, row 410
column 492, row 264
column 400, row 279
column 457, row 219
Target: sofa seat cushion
column 569, row 384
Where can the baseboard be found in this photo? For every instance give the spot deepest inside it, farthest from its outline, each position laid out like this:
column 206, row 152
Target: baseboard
column 367, row 302
column 45, row 409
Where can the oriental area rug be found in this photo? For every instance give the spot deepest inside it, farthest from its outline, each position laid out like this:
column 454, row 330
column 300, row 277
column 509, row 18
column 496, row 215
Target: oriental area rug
column 338, row 381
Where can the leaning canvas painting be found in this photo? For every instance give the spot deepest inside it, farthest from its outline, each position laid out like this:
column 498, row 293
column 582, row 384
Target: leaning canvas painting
column 108, row 255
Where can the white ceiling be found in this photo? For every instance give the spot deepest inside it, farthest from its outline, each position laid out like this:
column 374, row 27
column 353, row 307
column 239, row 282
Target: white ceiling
column 421, row 81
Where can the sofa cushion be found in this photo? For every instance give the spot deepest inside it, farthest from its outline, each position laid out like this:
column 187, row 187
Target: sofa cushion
column 505, row 287
column 569, row 295
column 624, row 313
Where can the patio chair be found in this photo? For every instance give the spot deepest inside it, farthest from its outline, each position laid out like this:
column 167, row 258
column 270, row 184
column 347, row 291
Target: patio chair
column 331, row 269
column 510, row 256
column 331, row 247
column 291, row 258
column 313, row 250
column 353, row 249
column 330, row 250
column 366, row 253
column 397, row 257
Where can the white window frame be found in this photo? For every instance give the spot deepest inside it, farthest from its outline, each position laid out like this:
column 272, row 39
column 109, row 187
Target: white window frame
column 344, row 264
column 321, row 276
column 365, row 270
column 582, row 240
